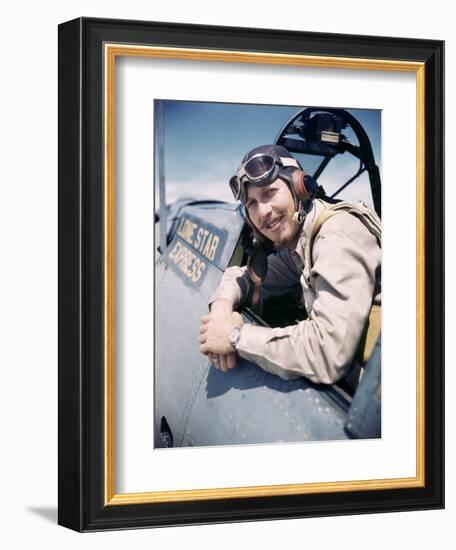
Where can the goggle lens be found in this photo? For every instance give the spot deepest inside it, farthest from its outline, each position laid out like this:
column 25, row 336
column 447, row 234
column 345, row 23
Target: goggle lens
column 259, row 170
column 259, row 167
column 235, row 186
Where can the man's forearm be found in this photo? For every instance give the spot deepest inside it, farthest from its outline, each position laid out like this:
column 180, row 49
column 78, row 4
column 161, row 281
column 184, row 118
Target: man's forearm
column 222, row 306
column 234, row 287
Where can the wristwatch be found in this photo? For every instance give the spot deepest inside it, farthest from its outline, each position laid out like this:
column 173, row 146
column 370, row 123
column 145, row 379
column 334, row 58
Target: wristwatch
column 234, row 337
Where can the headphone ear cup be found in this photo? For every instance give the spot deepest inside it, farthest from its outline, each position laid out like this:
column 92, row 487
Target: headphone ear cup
column 299, row 185
column 304, row 185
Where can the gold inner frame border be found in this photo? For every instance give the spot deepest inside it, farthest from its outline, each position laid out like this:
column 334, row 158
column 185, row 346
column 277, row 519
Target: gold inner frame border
column 111, row 52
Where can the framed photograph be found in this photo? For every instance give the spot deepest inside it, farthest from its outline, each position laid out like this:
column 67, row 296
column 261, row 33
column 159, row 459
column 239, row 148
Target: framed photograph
column 251, row 310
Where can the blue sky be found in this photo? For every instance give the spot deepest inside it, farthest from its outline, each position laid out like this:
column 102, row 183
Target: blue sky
column 205, row 142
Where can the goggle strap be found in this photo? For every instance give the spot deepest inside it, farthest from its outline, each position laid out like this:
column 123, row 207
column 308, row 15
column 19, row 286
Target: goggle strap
column 289, row 162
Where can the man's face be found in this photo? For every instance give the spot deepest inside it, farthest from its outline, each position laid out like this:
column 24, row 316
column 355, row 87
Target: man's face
column 271, row 210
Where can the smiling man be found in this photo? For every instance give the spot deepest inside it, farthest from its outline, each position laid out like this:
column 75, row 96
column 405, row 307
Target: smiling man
column 326, row 254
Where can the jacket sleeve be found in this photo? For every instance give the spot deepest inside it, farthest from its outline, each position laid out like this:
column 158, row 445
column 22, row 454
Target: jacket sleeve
column 345, row 260
column 235, row 286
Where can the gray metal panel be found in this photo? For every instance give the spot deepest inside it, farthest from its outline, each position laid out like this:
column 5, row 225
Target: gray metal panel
column 202, row 405
column 248, row 405
column 179, row 367
column 364, row 418
column 179, row 305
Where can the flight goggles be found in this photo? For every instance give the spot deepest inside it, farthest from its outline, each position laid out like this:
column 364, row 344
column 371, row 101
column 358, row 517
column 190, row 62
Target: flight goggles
column 259, row 170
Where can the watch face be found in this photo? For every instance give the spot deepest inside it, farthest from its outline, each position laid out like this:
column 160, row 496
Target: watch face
column 234, row 336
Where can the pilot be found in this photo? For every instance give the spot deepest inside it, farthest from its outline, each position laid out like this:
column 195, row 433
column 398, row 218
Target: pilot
column 328, row 253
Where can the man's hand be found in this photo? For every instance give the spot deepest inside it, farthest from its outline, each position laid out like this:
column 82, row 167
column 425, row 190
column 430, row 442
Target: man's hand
column 215, row 333
column 223, row 362
column 221, row 308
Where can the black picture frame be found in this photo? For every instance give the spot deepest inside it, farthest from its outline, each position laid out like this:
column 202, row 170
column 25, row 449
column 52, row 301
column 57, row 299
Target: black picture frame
column 82, row 473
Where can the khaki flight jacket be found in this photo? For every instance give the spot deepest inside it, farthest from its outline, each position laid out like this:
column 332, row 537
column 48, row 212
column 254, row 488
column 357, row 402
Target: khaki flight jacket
column 337, row 267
